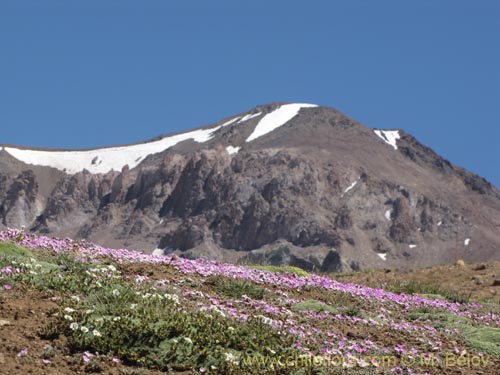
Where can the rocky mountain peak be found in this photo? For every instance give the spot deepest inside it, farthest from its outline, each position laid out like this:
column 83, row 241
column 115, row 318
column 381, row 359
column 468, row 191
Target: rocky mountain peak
column 282, row 183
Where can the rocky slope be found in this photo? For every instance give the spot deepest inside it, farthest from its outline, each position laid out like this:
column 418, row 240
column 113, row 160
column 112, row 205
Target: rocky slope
column 281, row 184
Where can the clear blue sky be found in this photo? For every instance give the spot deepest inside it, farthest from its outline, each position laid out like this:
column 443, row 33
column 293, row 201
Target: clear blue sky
column 79, row 74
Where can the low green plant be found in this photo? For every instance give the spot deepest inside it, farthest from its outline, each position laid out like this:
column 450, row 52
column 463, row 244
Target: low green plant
column 425, row 288
column 10, row 250
column 281, row 269
column 480, row 338
column 236, row 288
column 101, row 311
column 313, row 305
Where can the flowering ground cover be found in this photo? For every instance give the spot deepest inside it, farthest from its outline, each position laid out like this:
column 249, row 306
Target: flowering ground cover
column 70, row 307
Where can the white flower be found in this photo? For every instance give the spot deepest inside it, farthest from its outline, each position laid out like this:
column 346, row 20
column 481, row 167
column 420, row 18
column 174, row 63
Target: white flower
column 69, row 310
column 187, row 339
column 172, row 297
column 84, row 329
column 115, row 292
column 231, row 358
column 117, row 318
column 216, row 310
column 75, row 298
column 73, row 326
column 89, row 311
column 112, row 268
column 266, row 320
column 133, row 305
column 68, row 317
column 96, row 333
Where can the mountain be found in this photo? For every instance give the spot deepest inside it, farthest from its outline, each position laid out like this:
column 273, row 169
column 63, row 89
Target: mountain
column 294, row 184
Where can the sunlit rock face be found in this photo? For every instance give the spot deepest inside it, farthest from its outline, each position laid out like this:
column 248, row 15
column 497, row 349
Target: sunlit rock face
column 282, row 184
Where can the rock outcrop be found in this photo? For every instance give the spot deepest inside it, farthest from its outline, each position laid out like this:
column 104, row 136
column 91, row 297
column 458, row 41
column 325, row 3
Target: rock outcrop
column 320, row 191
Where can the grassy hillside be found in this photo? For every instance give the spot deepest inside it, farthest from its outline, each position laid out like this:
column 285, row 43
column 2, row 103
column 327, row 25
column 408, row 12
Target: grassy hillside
column 69, row 307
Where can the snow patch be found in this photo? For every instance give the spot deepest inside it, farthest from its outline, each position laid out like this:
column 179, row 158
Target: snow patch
column 382, row 256
column 389, row 136
column 106, row 159
column 388, row 215
column 249, row 116
column 412, row 246
column 350, row 187
column 467, row 242
column 232, row 150
column 440, row 223
column 277, row 118
column 230, row 122
column 158, row 252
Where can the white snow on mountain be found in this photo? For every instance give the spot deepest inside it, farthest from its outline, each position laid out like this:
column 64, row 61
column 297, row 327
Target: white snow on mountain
column 350, row 187
column 229, row 122
column 105, row 159
column 388, row 214
column 249, row 116
column 277, row 118
column 467, row 242
column 389, row 136
column 158, row 252
column 232, row 150
column 382, row 256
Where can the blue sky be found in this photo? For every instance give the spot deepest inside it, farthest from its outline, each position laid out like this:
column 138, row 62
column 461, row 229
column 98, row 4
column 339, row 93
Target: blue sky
column 80, row 74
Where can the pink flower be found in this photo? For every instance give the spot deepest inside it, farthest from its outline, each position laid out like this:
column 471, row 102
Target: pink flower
column 22, row 353
column 87, row 356
column 7, row 287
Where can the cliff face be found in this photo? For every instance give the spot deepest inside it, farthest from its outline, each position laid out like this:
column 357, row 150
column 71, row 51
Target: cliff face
column 280, row 184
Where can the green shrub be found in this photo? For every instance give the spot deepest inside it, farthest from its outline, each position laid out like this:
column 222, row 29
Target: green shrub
column 10, row 250
column 316, row 306
column 236, row 288
column 281, row 269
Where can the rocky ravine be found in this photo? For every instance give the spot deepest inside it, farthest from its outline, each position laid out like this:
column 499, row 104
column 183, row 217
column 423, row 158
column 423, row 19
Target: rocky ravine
column 281, row 184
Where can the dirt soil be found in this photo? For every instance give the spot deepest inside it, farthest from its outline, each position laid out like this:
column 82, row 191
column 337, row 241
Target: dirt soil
column 480, row 281
column 21, row 318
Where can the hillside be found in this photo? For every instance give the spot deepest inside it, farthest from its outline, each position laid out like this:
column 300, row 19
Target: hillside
column 72, row 307
column 282, row 184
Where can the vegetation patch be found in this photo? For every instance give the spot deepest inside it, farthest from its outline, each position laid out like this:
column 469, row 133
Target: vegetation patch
column 236, row 288
column 11, row 250
column 117, row 312
column 316, row 306
column 281, row 269
column 425, row 289
column 483, row 339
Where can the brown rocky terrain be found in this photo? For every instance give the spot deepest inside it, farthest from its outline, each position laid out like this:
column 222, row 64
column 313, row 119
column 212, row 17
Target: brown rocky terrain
column 322, row 192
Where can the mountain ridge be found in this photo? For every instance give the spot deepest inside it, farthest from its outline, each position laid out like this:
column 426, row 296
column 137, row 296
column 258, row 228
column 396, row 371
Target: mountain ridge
column 314, row 189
